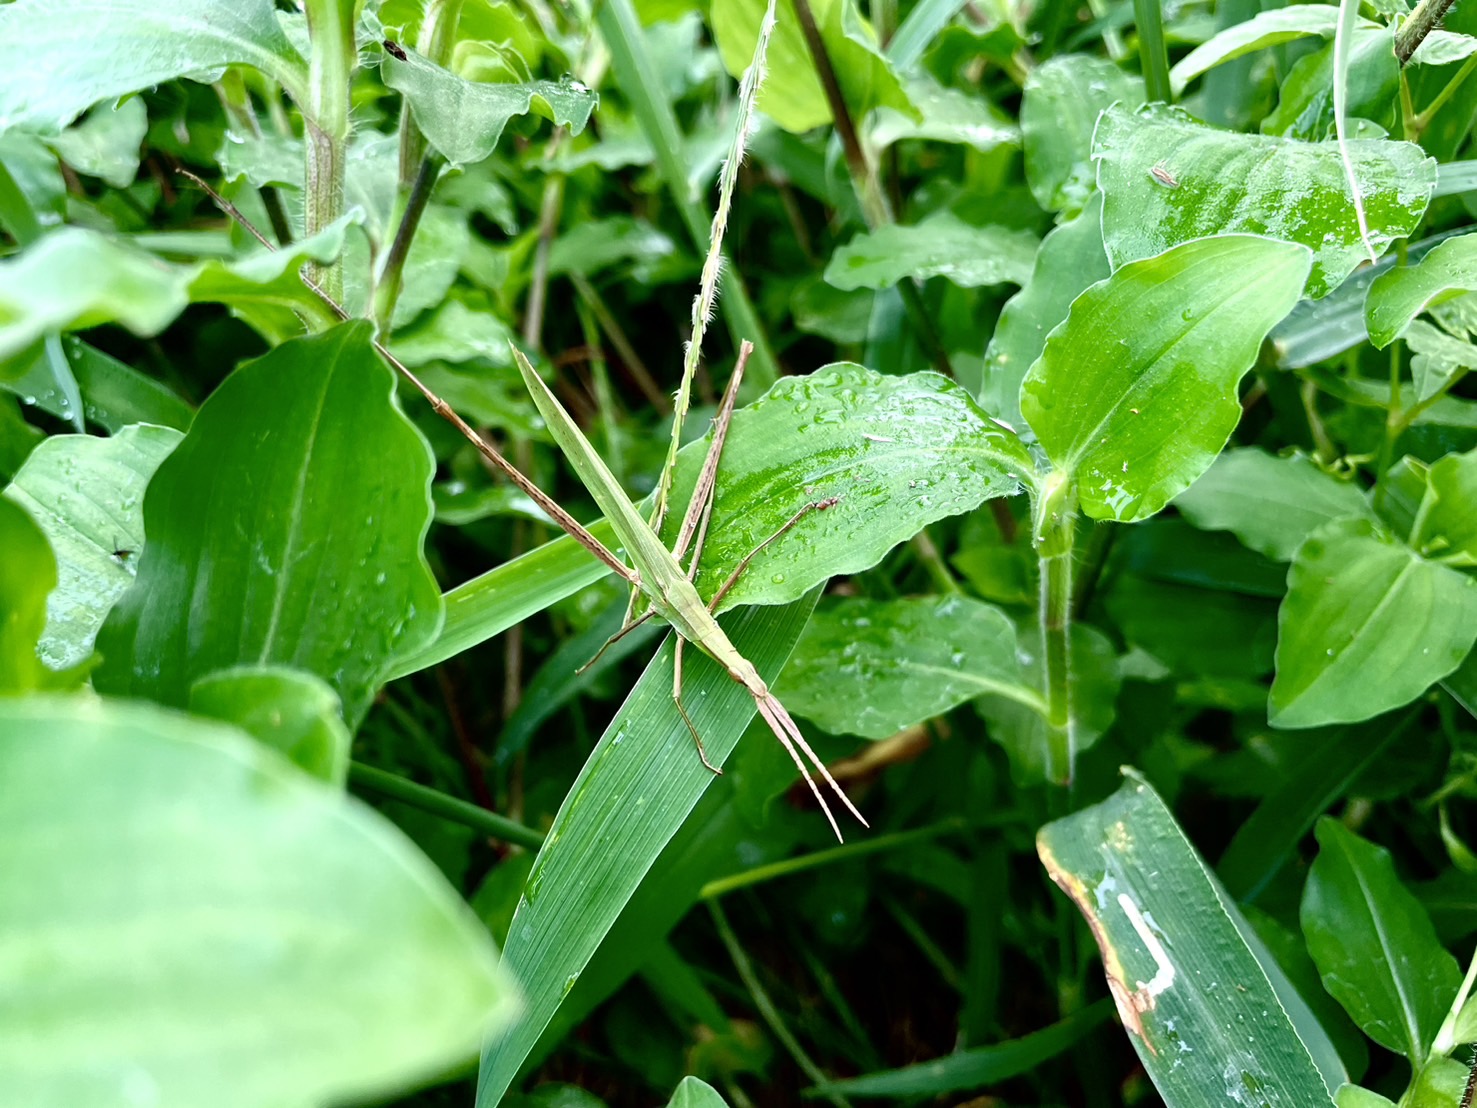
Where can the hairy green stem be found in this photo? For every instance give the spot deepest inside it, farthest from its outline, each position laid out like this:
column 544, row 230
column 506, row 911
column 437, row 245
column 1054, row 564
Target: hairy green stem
column 326, row 118
column 1055, row 533
column 1426, row 17
column 442, row 806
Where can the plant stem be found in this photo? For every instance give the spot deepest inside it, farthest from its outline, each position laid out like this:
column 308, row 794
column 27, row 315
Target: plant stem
column 1422, row 21
column 875, row 209
column 1153, row 55
column 610, row 326
column 445, row 807
column 392, row 271
column 326, row 117
column 1423, row 120
column 1054, row 536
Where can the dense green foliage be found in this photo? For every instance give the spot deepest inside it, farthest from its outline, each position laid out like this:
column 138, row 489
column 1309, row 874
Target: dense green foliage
column 1109, row 398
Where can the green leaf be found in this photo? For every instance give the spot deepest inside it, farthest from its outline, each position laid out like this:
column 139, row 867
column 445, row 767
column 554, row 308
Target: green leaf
column 1305, row 108
column 695, row 1093
column 1257, row 33
column 69, row 54
column 1360, row 603
column 1353, row 1096
column 632, row 795
column 1225, row 182
column 1442, row 47
column 941, row 246
column 1135, row 394
column 106, row 143
column 303, row 556
column 1401, row 294
column 791, row 94
column 874, row 667
column 1437, row 357
column 976, row 1067
column 1070, row 259
column 293, row 712
column 593, row 245
column 114, row 394
column 1270, row 503
column 465, row 119
column 1374, row 944
column 87, row 495
column 1447, row 520
column 29, row 575
column 76, row 278
column 1060, row 105
column 1198, row 1005
column 238, row 894
column 898, row 452
column 949, row 115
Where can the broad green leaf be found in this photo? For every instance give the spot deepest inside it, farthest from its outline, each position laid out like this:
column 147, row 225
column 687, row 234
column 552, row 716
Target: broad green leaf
column 1374, row 944
column 976, row 1067
column 791, row 94
column 87, row 495
column 70, row 54
column 1447, row 519
column 631, row 797
column 29, row 575
column 1360, row 603
column 1436, row 357
column 1257, row 33
column 1135, row 394
column 898, row 452
column 1071, row 258
column 455, row 332
column 1443, row 48
column 1059, row 111
column 949, row 115
column 75, row 278
column 1270, row 503
column 1197, row 1004
column 465, row 119
column 593, row 245
column 941, row 246
column 1225, row 182
column 267, row 940
column 1353, row 1096
column 695, row 1093
column 293, row 712
column 1399, row 295
column 1196, row 632
column 874, row 667
column 301, row 556
column 106, row 143
column 1440, row 1083
column 1020, row 727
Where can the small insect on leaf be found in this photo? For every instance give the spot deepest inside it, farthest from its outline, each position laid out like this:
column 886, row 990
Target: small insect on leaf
column 394, row 49
column 1161, row 174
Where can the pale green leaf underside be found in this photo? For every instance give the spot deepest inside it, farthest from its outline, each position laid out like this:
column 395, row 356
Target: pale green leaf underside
column 87, row 495
column 1270, row 503
column 1225, row 182
column 189, row 920
column 1359, row 603
column 1261, row 31
column 465, row 119
column 1195, row 1001
column 1135, row 393
column 943, row 246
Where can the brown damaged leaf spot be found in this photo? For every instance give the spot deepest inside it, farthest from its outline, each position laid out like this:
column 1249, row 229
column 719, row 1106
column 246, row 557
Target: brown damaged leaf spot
column 1131, row 1003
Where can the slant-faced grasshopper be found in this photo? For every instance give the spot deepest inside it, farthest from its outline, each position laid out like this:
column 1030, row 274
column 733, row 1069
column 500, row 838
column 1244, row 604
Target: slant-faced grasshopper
column 667, row 587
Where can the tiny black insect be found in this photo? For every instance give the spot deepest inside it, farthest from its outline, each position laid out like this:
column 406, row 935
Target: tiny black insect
column 123, row 553
column 394, row 49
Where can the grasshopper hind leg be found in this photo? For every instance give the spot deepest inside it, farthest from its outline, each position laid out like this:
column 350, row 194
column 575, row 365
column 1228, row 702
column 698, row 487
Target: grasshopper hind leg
column 682, row 710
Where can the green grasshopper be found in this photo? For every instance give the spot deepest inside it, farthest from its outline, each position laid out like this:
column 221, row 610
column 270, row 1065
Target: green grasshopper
column 668, row 588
